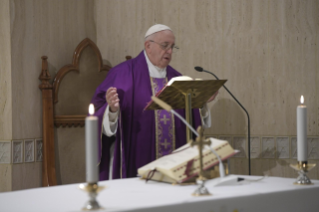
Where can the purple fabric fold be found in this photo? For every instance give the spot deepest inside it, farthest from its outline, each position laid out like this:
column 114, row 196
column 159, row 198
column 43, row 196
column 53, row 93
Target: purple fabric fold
column 135, row 138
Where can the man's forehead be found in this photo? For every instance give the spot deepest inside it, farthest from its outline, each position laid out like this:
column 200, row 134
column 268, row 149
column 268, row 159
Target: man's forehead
column 165, row 36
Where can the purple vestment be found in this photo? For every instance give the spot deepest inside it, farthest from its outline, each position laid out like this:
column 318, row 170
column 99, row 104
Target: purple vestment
column 135, row 137
column 164, row 124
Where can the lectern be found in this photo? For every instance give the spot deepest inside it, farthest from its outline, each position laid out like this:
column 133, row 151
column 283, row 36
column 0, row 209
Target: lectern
column 187, row 94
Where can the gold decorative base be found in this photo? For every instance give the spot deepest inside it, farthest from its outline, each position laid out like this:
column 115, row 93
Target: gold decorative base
column 303, row 167
column 201, row 189
column 93, row 189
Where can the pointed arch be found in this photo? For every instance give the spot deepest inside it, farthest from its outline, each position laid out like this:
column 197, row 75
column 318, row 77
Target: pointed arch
column 75, row 65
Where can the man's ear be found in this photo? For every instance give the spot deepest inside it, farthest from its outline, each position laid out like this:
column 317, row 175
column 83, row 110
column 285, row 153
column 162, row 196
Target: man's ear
column 147, row 44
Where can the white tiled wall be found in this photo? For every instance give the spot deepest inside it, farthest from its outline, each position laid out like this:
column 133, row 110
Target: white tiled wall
column 17, row 151
column 20, row 164
column 29, row 150
column 283, row 147
column 39, row 147
column 270, row 155
column 20, row 151
column 5, row 152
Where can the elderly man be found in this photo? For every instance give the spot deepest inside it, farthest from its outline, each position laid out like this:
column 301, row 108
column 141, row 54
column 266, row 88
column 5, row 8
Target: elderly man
column 130, row 136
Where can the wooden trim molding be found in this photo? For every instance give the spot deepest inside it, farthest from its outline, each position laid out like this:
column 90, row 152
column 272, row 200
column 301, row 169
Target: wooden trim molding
column 50, row 98
column 75, row 65
column 45, row 75
column 48, row 164
column 50, row 94
column 69, row 120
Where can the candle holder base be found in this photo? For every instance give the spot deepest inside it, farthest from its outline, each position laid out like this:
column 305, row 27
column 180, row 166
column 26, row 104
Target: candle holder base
column 93, row 189
column 303, row 167
column 201, row 189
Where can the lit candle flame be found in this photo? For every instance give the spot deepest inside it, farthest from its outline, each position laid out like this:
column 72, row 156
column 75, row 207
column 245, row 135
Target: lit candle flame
column 91, row 109
column 301, row 99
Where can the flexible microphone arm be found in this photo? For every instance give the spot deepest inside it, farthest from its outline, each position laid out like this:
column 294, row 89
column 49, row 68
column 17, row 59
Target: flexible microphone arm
column 168, row 108
column 200, row 69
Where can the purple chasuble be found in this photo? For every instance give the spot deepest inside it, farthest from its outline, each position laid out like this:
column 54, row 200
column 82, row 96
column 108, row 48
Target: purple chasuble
column 164, row 124
column 135, row 139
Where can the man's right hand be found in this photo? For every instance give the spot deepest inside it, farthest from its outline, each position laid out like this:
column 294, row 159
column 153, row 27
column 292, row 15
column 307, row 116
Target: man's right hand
column 112, row 99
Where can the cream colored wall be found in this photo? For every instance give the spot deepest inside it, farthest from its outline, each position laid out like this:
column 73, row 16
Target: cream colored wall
column 51, row 28
column 29, row 30
column 268, row 51
column 5, row 95
column 5, row 73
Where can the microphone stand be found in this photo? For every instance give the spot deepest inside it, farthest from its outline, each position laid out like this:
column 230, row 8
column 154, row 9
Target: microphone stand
column 200, row 69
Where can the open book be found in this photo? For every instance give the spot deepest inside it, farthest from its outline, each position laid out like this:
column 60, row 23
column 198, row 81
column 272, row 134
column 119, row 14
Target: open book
column 173, row 93
column 179, row 78
column 183, row 164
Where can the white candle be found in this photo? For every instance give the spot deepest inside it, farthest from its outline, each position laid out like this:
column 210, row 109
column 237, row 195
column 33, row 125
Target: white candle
column 302, row 150
column 91, row 140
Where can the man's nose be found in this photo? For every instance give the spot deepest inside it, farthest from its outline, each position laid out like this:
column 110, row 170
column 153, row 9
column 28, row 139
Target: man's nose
column 170, row 50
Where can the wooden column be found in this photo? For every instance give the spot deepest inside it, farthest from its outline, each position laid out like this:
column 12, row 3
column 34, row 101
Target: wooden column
column 48, row 167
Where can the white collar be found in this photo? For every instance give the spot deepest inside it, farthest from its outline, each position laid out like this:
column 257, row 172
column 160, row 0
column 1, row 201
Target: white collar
column 154, row 71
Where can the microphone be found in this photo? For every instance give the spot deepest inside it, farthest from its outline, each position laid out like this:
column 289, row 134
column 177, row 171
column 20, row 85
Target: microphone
column 200, row 69
column 168, row 108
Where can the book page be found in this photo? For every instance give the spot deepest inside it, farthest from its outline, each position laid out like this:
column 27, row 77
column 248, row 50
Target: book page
column 179, row 78
column 179, row 156
column 215, row 142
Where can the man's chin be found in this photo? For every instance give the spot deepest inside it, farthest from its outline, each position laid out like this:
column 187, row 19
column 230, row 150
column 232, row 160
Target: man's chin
column 165, row 64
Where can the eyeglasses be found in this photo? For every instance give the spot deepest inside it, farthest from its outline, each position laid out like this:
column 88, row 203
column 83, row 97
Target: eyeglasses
column 166, row 47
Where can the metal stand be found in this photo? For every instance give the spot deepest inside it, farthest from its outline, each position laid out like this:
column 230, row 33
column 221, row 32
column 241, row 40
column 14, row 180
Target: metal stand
column 201, row 189
column 303, row 167
column 93, row 189
column 200, row 142
column 188, row 114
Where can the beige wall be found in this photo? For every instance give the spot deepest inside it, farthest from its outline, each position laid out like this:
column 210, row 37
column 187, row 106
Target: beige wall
column 51, row 28
column 268, row 51
column 5, row 73
column 28, row 30
column 5, row 96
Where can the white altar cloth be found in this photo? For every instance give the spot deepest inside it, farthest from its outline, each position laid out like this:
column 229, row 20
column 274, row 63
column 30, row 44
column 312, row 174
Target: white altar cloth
column 269, row 194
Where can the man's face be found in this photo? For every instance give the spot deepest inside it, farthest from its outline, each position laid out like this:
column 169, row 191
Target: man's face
column 155, row 51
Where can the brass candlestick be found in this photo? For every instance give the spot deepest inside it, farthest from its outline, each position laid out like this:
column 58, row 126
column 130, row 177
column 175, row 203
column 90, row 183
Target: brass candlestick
column 93, row 189
column 303, row 167
column 200, row 142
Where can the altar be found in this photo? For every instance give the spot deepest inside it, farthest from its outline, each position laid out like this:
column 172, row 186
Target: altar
column 250, row 195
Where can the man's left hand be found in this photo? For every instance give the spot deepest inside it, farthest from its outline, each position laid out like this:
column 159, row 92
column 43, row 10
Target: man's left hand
column 212, row 97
